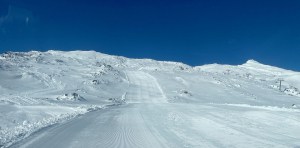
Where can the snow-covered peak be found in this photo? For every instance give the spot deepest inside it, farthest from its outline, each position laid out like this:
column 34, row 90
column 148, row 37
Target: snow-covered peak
column 255, row 64
column 251, row 61
column 259, row 68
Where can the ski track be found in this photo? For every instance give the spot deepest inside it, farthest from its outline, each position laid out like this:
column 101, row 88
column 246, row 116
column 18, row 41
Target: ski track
column 147, row 120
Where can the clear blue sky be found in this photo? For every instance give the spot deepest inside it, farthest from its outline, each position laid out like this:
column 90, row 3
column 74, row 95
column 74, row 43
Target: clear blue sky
column 195, row 32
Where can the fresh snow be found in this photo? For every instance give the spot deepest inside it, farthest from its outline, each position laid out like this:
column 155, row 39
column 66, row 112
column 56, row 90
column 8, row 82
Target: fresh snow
column 90, row 99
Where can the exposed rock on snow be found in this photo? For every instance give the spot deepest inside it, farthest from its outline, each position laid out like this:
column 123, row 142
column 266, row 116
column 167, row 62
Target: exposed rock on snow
column 184, row 92
column 70, row 97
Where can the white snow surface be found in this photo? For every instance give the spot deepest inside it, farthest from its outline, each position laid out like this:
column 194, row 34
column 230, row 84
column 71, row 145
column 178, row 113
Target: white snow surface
column 89, row 99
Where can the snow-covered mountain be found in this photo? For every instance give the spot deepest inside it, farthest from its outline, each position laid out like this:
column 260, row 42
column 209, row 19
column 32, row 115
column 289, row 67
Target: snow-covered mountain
column 205, row 106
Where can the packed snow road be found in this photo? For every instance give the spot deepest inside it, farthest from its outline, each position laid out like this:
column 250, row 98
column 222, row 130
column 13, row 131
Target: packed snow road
column 144, row 88
column 147, row 120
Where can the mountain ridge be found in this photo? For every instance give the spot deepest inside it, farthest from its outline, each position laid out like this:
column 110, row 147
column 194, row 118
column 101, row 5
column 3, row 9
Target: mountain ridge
column 94, row 54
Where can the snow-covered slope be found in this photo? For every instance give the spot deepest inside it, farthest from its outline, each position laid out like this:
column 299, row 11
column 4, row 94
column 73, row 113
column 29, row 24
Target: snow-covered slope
column 259, row 73
column 181, row 103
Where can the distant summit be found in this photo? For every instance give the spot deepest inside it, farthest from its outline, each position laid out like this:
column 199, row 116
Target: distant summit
column 252, row 61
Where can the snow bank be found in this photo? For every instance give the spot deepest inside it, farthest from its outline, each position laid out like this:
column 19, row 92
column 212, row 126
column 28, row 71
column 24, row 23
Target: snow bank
column 29, row 125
